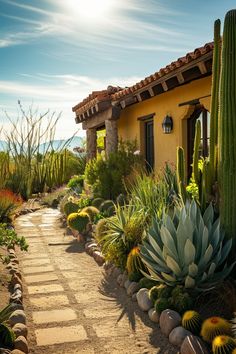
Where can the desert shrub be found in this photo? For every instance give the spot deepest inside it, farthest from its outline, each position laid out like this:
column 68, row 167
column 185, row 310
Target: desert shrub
column 8, row 204
column 9, row 239
column 106, row 175
column 76, row 183
column 53, row 199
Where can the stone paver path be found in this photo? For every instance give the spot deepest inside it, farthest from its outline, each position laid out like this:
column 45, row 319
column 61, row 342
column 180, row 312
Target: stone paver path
column 71, row 306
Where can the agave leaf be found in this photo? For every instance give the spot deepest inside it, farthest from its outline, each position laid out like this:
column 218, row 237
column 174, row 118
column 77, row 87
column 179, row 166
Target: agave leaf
column 171, row 227
column 208, row 216
column 208, row 254
column 212, row 269
column 189, row 252
column 155, row 244
column 168, row 277
column 182, row 238
column 189, row 282
column 225, row 251
column 205, row 240
column 193, row 211
column 169, row 242
column 215, row 235
column 216, row 277
column 158, row 252
column 148, row 276
column 173, row 265
column 192, row 270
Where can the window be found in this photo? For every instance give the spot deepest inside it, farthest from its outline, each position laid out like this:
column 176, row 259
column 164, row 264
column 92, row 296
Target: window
column 203, row 116
column 149, row 145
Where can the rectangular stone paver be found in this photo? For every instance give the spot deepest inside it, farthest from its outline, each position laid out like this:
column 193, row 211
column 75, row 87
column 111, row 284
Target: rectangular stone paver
column 45, row 302
column 56, row 335
column 67, row 314
column 38, row 278
column 35, row 262
column 43, row 269
column 94, row 313
column 108, row 330
column 41, row 289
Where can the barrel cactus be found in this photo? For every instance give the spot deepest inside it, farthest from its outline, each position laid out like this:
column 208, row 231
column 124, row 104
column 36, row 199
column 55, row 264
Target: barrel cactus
column 215, row 326
column 78, row 221
column 91, row 211
column 134, row 263
column 70, row 207
column 223, row 345
column 192, row 322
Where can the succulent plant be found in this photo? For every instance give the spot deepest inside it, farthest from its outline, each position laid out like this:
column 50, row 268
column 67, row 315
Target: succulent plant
column 192, row 322
column 147, row 283
column 223, row 345
column 186, row 249
column 106, row 205
column 134, row 262
column 97, row 202
column 164, row 290
column 162, row 304
column 91, row 211
column 215, row 326
column 7, row 336
column 70, row 207
column 182, row 302
column 78, row 221
column 153, row 294
column 101, row 228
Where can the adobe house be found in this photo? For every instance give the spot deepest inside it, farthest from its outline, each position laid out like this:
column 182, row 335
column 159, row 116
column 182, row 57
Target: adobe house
column 160, row 111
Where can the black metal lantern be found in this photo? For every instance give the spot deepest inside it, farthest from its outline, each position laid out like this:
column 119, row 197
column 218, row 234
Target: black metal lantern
column 167, row 125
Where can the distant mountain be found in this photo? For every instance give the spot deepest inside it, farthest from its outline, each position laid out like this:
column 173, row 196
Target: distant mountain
column 3, row 145
column 76, row 141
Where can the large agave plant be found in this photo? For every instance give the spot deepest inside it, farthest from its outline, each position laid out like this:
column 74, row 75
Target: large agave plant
column 187, row 249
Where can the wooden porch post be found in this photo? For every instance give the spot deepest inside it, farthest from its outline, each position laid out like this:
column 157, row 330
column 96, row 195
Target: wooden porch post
column 91, row 145
column 111, row 136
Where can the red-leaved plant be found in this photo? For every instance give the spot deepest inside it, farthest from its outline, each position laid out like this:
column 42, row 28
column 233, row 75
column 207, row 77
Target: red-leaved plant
column 8, row 203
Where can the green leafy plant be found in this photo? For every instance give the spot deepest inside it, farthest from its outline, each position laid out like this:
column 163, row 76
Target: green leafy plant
column 187, row 249
column 76, row 183
column 7, row 336
column 9, row 239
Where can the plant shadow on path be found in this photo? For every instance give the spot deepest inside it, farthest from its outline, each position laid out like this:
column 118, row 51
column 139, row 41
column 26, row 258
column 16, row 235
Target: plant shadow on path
column 75, row 247
column 114, row 293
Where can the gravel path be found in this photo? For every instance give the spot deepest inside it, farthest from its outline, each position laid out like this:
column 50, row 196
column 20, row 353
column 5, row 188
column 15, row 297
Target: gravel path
column 71, row 306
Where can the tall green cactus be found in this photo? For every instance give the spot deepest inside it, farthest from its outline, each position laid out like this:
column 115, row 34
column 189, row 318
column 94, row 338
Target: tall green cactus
column 206, row 185
column 227, row 127
column 181, row 173
column 197, row 140
column 215, row 101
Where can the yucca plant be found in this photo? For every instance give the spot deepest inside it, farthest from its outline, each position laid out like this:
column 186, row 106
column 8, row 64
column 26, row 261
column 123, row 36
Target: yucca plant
column 187, row 249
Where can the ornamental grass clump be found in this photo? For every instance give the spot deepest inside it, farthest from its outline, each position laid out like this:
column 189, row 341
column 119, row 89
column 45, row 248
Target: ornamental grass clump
column 187, row 249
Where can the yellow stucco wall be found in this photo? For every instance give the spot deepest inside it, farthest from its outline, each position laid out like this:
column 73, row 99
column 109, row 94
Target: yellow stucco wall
column 167, row 103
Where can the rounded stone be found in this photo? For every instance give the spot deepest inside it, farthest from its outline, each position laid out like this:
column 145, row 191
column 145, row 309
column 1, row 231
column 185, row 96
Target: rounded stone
column 17, row 286
column 20, row 329
column 177, row 336
column 127, row 283
column 193, row 345
column 116, row 271
column 143, row 299
column 16, row 280
column 133, row 288
column 124, row 278
column 17, row 316
column 21, row 344
column 134, row 297
column 5, row 351
column 16, row 351
column 169, row 320
column 153, row 315
column 119, row 279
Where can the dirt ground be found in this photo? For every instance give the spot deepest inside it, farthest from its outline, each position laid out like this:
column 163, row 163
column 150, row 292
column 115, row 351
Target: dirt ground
column 4, row 283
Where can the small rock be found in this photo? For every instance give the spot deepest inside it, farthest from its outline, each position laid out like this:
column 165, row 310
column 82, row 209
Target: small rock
column 116, row 271
column 16, row 351
column 17, row 316
column 193, row 345
column 20, row 330
column 98, row 258
column 119, row 279
column 16, row 280
column 153, row 315
column 169, row 320
column 127, row 283
column 16, row 295
column 143, row 299
column 21, row 344
column 133, row 288
column 17, row 287
column 12, row 251
column 134, row 297
column 177, row 336
column 13, row 270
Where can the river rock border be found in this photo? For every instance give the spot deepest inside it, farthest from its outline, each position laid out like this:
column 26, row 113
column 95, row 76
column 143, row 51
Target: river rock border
column 17, row 320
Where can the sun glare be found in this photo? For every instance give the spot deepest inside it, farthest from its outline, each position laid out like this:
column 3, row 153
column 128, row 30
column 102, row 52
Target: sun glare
column 89, row 9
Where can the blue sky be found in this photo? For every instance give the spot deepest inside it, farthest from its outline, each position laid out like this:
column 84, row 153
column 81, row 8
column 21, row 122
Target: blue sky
column 53, row 53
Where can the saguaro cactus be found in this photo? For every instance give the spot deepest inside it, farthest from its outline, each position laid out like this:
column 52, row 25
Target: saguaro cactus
column 215, row 101
column 181, row 172
column 197, row 140
column 227, row 127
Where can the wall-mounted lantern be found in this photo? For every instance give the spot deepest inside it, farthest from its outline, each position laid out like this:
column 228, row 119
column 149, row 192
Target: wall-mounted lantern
column 167, row 125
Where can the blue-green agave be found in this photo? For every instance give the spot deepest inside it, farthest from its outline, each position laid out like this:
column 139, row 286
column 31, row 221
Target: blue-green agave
column 187, row 248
